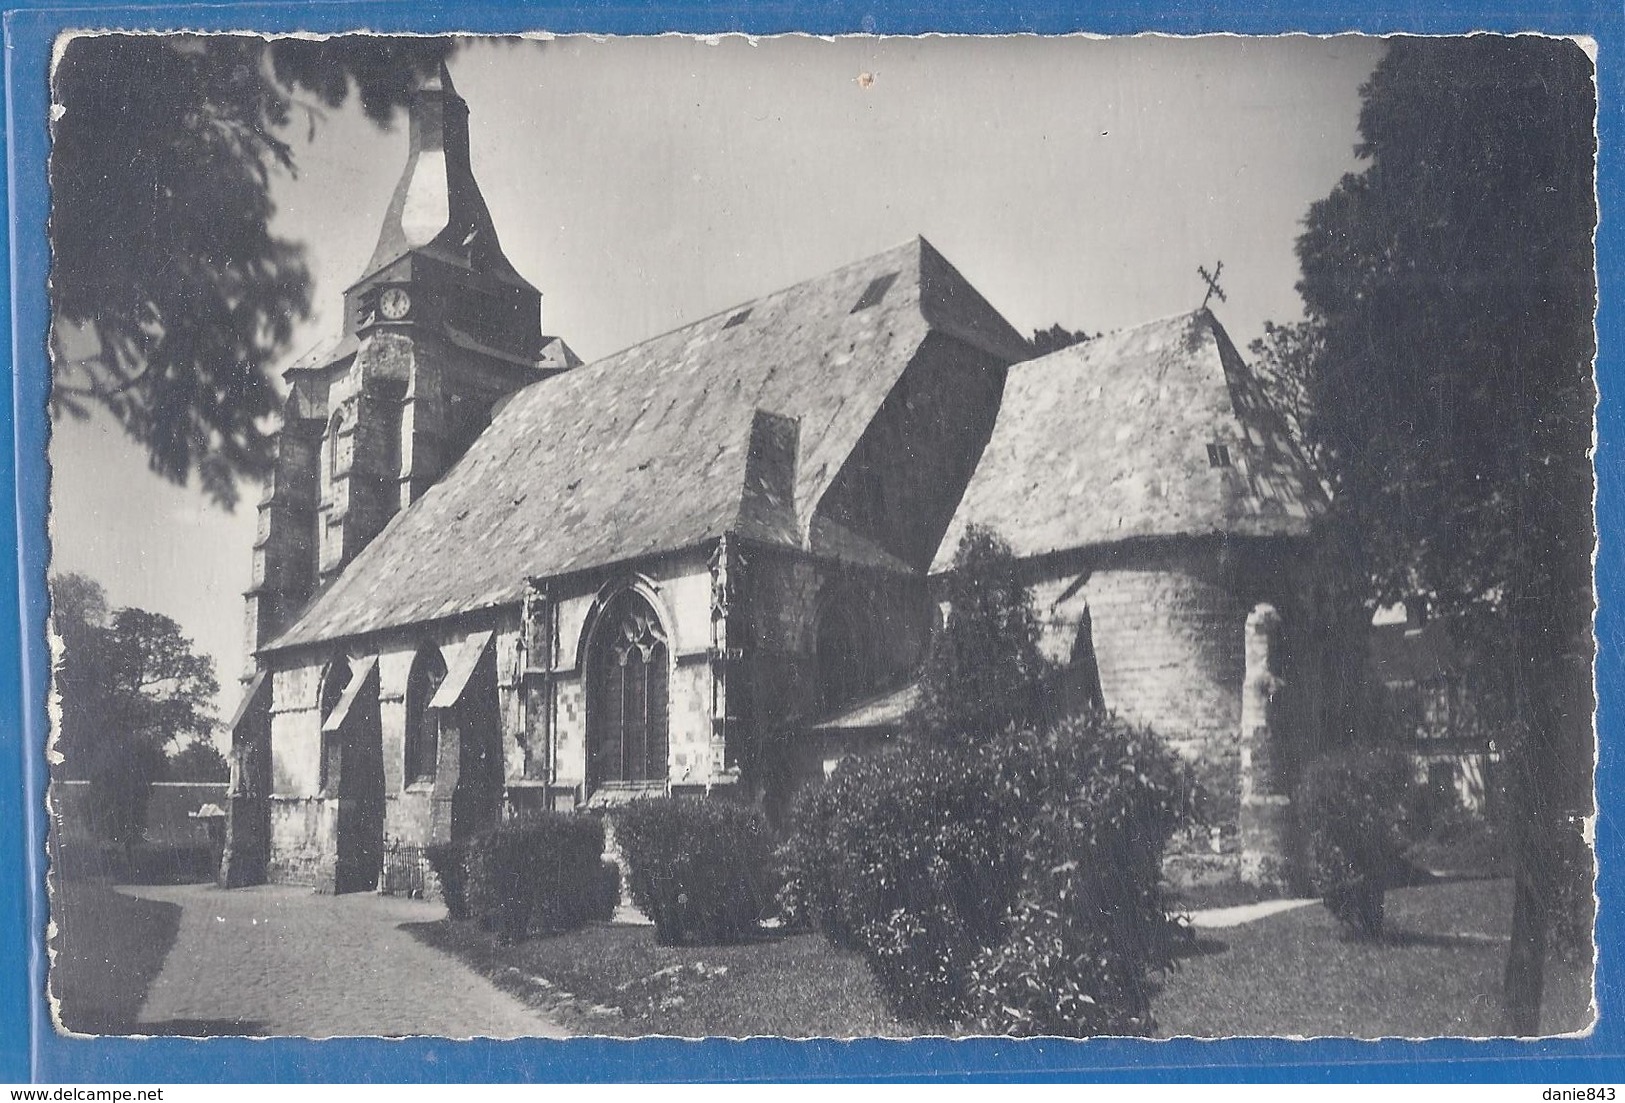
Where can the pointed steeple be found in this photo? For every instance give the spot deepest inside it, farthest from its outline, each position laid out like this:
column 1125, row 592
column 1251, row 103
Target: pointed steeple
column 437, row 208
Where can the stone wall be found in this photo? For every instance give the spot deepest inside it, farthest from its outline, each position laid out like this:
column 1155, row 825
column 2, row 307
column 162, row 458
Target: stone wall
column 283, row 572
column 169, row 808
column 1169, row 633
column 296, row 731
column 1168, row 641
column 788, row 598
column 541, row 706
column 302, row 834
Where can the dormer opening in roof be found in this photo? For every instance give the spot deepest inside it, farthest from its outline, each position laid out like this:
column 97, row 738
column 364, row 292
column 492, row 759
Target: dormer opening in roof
column 875, row 291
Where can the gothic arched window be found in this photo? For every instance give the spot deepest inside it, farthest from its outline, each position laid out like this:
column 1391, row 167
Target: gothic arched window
column 334, row 679
column 423, row 725
column 627, row 694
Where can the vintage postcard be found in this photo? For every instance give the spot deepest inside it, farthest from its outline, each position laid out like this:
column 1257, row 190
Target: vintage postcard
column 557, row 536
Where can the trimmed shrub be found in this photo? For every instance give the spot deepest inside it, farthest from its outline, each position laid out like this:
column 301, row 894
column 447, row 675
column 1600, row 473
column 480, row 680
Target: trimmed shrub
column 1359, row 806
column 925, row 861
column 698, row 867
column 807, row 896
column 1089, row 925
column 1012, row 884
column 541, row 874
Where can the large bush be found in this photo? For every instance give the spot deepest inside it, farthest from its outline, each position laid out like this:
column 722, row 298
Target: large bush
column 698, row 868
column 1012, row 884
column 1359, row 806
column 925, row 861
column 1089, row 926
column 540, row 874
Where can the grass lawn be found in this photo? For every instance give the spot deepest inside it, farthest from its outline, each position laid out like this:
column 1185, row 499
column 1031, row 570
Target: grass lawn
column 1438, row 972
column 1294, row 973
column 607, row 979
column 109, row 948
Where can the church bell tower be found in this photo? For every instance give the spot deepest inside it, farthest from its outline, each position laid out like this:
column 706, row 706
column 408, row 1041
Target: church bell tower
column 437, row 331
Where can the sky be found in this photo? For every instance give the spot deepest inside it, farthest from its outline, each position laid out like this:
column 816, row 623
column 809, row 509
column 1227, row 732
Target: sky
column 642, row 183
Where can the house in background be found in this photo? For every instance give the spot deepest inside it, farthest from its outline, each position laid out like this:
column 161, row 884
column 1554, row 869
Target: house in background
column 1422, row 675
column 489, row 578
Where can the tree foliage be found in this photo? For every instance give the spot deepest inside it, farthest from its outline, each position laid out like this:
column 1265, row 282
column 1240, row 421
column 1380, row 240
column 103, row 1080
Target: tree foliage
column 199, row 760
column 985, row 668
column 1011, row 884
column 698, row 867
column 1058, row 337
column 1285, row 359
column 1450, row 288
column 171, row 296
column 1453, row 284
column 129, row 683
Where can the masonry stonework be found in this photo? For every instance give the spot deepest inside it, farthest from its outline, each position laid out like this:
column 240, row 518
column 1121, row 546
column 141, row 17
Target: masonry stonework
column 1185, row 641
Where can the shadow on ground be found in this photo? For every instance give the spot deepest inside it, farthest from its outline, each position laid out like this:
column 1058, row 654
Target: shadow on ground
column 1200, row 947
column 108, row 950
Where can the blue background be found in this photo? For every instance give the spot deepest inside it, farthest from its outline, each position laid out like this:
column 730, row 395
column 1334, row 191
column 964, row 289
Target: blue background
column 31, row 1050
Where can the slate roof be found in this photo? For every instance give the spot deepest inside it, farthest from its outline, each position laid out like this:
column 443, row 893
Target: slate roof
column 437, row 208
column 646, row 451
column 1109, row 441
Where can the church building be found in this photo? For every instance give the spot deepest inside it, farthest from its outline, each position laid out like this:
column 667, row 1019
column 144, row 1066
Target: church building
column 489, row 578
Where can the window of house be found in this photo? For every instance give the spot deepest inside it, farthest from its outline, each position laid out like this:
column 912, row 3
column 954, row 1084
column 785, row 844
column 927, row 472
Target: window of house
column 627, row 707
column 422, row 722
column 1218, row 455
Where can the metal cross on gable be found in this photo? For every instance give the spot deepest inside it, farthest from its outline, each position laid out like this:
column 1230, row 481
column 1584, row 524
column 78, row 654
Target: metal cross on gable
column 1212, row 281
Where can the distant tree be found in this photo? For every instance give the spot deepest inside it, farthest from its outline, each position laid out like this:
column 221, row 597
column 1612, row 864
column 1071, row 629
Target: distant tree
column 1057, row 337
column 199, row 760
column 130, row 683
column 170, row 295
column 1450, row 288
column 985, row 668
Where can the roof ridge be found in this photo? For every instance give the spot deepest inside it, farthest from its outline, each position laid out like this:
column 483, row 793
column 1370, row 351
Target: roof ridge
column 743, row 303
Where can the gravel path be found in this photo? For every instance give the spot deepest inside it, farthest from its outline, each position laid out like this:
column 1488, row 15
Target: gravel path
column 283, row 960
column 1244, row 913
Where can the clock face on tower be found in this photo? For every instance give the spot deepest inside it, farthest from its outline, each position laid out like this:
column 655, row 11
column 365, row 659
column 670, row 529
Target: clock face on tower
column 394, row 303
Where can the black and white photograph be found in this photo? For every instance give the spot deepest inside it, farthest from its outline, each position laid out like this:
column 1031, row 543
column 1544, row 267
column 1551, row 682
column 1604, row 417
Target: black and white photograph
column 565, row 536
